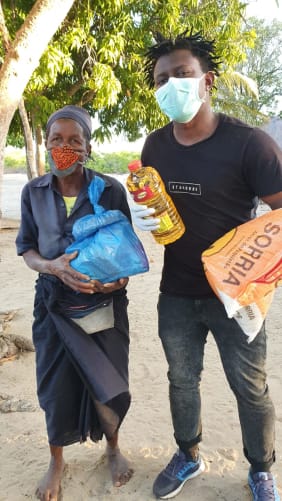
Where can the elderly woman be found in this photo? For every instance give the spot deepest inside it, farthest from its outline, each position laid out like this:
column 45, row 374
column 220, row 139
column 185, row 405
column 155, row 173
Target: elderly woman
column 82, row 380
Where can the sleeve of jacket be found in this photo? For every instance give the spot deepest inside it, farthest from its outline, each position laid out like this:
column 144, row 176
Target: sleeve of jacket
column 27, row 236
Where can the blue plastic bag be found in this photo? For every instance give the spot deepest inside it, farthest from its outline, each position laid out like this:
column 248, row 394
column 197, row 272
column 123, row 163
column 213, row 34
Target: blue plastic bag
column 108, row 248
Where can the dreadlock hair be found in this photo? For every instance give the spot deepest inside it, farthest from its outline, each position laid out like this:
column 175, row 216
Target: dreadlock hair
column 203, row 49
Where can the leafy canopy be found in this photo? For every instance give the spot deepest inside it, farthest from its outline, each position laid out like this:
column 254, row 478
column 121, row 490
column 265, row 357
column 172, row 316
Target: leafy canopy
column 96, row 57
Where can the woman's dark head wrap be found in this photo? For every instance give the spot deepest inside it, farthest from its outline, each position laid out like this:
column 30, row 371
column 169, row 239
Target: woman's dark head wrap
column 76, row 113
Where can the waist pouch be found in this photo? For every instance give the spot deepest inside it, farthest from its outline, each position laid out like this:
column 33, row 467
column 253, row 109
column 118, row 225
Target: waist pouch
column 93, row 313
column 98, row 319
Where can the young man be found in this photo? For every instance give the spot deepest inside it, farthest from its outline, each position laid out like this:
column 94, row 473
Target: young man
column 82, row 380
column 215, row 168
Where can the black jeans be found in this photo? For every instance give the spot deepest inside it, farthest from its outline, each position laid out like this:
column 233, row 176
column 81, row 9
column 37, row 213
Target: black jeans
column 184, row 324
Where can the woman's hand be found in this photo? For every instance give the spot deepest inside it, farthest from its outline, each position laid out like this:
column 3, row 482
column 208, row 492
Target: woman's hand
column 61, row 268
column 110, row 286
column 78, row 281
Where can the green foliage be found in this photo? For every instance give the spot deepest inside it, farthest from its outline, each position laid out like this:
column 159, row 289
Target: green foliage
column 136, row 108
column 112, row 163
column 15, row 137
column 96, row 57
column 263, row 65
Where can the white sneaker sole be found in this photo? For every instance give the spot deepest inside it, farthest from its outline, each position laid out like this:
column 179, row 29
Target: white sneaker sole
column 193, row 475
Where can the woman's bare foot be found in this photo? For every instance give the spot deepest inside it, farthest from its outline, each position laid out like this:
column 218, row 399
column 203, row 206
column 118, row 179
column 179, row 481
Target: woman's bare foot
column 119, row 466
column 49, row 486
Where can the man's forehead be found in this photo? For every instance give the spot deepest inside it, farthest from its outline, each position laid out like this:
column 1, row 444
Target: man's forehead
column 175, row 58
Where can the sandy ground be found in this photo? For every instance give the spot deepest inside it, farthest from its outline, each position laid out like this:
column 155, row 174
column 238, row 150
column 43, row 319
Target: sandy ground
column 146, row 435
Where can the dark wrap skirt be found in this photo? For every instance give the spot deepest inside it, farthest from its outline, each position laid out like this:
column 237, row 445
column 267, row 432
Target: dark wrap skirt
column 82, row 379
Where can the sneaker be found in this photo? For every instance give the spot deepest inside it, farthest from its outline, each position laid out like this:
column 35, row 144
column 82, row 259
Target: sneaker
column 263, row 487
column 171, row 480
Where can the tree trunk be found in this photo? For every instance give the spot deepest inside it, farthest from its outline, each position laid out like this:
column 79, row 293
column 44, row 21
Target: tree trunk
column 22, row 58
column 29, row 143
column 40, row 151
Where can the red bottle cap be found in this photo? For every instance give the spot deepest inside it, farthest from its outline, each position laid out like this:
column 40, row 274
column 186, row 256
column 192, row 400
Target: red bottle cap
column 134, row 165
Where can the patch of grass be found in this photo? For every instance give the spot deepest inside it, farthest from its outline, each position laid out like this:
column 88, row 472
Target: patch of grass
column 15, row 161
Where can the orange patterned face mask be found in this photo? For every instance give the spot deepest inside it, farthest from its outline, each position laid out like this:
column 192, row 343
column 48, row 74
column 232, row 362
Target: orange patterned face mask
column 64, row 157
column 63, row 160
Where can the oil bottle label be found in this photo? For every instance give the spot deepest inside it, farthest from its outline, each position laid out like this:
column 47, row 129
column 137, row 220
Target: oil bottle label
column 143, row 194
column 166, row 223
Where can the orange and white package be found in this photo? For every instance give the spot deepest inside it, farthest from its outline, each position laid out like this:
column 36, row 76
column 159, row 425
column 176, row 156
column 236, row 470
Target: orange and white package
column 244, row 267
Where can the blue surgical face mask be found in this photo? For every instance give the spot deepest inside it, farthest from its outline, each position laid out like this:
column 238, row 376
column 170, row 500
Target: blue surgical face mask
column 179, row 98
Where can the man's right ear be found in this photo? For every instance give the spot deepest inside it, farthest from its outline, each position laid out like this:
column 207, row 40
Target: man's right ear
column 209, row 79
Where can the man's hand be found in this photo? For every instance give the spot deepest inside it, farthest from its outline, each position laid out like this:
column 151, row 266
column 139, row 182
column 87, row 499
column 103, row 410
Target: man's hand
column 140, row 217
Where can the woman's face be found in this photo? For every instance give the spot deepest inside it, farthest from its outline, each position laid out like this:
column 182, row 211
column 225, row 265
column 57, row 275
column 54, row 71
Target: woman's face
column 67, row 132
column 67, row 147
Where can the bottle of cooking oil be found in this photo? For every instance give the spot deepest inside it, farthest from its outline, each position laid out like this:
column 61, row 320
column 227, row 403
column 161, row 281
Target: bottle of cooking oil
column 147, row 188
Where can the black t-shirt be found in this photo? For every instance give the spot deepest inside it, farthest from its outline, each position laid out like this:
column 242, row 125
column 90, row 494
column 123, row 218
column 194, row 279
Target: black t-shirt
column 215, row 185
